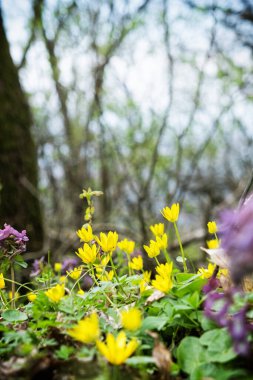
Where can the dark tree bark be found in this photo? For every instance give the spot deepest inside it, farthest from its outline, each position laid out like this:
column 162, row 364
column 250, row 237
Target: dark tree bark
column 19, row 201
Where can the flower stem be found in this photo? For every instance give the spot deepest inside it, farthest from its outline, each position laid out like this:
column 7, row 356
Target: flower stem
column 130, row 273
column 96, row 282
column 3, row 299
column 156, row 260
column 12, row 286
column 115, row 274
column 166, row 255
column 181, row 247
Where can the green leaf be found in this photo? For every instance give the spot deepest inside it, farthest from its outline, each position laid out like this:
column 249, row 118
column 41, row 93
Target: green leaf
column 190, row 354
column 20, row 261
column 190, row 287
column 14, row 316
column 193, row 300
column 217, row 372
column 64, row 352
column 154, row 323
column 219, row 346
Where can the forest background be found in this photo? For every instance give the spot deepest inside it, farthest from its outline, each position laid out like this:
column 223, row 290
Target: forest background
column 149, row 101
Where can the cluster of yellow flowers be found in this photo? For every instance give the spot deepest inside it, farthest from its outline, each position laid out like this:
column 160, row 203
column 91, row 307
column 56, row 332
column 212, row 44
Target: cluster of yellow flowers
column 115, row 350
column 95, row 253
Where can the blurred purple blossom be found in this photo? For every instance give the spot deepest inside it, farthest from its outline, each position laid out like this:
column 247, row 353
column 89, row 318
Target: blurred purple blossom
column 37, row 267
column 236, row 228
column 69, row 264
column 212, row 284
column 217, row 307
column 239, row 329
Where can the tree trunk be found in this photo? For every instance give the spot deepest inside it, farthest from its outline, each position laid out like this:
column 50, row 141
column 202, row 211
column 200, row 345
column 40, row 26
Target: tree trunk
column 19, row 201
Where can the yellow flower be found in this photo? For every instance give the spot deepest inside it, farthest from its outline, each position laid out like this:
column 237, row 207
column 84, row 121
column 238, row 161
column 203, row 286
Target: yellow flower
column 213, row 244
column 105, row 276
column 2, row 282
column 164, row 270
column 57, row 267
column 164, row 284
column 75, row 273
column 108, row 242
column 16, row 295
column 31, row 296
column 162, row 241
column 131, row 319
column 212, row 227
column 87, row 330
column 208, row 272
column 143, row 286
column 224, row 272
column 56, row 293
column 80, row 292
column 115, row 350
column 146, row 276
column 103, row 261
column 157, row 229
column 85, row 234
column 145, row 281
column 127, row 246
column 87, row 254
column 136, row 263
column 63, row 279
column 171, row 213
column 163, row 281
column 153, row 249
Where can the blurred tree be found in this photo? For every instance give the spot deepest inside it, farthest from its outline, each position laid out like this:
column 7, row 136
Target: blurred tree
column 19, row 197
column 176, row 142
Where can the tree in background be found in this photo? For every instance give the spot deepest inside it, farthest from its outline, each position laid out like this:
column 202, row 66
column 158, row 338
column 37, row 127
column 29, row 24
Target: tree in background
column 19, row 199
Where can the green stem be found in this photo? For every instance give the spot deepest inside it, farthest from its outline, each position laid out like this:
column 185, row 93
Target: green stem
column 181, row 247
column 130, row 273
column 156, row 260
column 115, row 274
column 166, row 255
column 12, row 286
column 3, row 299
column 96, row 282
column 20, row 285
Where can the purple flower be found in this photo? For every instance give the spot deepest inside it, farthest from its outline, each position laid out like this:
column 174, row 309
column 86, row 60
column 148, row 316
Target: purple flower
column 10, row 237
column 237, row 239
column 220, row 316
column 212, row 284
column 239, row 329
column 37, row 267
column 9, row 231
column 69, row 264
column 236, row 323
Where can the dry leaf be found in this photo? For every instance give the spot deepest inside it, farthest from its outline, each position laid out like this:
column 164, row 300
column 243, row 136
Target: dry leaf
column 162, row 356
column 155, row 296
column 218, row 256
column 248, row 284
column 225, row 282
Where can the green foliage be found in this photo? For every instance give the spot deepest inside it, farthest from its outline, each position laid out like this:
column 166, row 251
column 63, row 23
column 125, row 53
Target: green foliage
column 164, row 331
column 14, row 316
